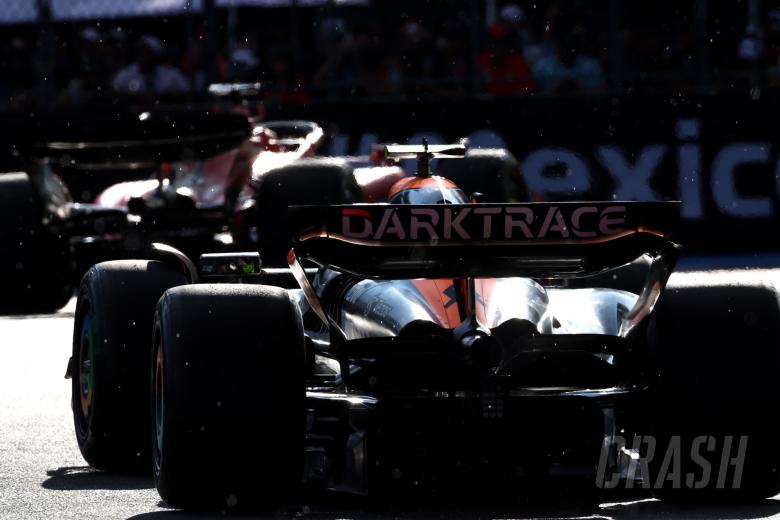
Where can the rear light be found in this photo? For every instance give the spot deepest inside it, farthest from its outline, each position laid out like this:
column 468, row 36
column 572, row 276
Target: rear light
column 166, row 171
column 377, row 154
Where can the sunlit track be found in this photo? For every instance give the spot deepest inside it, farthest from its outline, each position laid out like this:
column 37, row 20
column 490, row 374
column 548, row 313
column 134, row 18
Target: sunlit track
column 769, row 276
column 42, row 474
column 698, row 262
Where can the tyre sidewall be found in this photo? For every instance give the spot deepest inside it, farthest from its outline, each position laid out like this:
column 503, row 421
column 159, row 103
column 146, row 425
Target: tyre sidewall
column 234, row 398
column 121, row 306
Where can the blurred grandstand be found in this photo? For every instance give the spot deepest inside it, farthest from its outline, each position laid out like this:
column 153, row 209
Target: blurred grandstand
column 64, row 53
column 597, row 100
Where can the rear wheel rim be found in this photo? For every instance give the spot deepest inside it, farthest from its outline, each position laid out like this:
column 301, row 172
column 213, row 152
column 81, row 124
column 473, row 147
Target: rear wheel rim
column 86, row 371
column 158, row 406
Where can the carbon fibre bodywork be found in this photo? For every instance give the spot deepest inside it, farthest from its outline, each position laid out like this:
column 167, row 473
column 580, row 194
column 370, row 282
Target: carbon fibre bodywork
column 422, row 383
column 424, row 404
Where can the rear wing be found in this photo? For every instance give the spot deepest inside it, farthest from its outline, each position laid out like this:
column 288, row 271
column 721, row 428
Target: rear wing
column 433, row 151
column 236, row 90
column 550, row 240
column 423, row 153
column 131, row 139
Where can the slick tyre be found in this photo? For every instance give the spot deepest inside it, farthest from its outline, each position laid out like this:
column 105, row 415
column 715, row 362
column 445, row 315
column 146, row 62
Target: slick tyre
column 110, row 366
column 35, row 271
column 310, row 181
column 493, row 172
column 716, row 338
column 228, row 397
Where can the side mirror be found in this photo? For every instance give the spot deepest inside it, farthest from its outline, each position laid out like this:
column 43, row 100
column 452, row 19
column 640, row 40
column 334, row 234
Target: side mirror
column 477, row 197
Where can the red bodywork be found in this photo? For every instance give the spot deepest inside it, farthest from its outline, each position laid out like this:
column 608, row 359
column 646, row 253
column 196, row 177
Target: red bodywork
column 210, row 181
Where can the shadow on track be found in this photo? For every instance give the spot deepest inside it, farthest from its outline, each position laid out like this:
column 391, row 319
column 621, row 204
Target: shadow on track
column 20, row 315
column 181, row 515
column 652, row 508
column 71, row 478
column 635, row 509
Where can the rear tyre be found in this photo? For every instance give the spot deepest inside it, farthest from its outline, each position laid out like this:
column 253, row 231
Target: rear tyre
column 493, row 172
column 309, row 181
column 716, row 337
column 228, row 396
column 35, row 271
column 110, row 366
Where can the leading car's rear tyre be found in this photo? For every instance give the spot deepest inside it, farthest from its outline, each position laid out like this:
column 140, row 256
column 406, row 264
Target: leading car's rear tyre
column 494, row 172
column 35, row 271
column 110, row 365
column 228, row 396
column 308, row 181
column 717, row 341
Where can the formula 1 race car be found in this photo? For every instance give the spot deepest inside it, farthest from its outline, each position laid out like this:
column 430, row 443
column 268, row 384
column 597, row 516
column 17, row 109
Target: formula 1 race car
column 437, row 343
column 46, row 229
column 113, row 187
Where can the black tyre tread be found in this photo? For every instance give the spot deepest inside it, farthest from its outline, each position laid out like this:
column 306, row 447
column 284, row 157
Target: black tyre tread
column 19, row 203
column 122, row 295
column 35, row 270
column 493, row 172
column 309, row 181
column 717, row 341
column 234, row 396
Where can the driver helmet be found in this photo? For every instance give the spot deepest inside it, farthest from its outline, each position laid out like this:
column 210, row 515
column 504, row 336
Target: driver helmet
column 426, row 190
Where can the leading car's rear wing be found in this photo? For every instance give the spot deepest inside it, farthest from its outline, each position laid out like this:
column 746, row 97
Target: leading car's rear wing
column 554, row 240
column 147, row 138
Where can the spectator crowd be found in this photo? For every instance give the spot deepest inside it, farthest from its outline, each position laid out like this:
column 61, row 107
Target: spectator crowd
column 558, row 46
